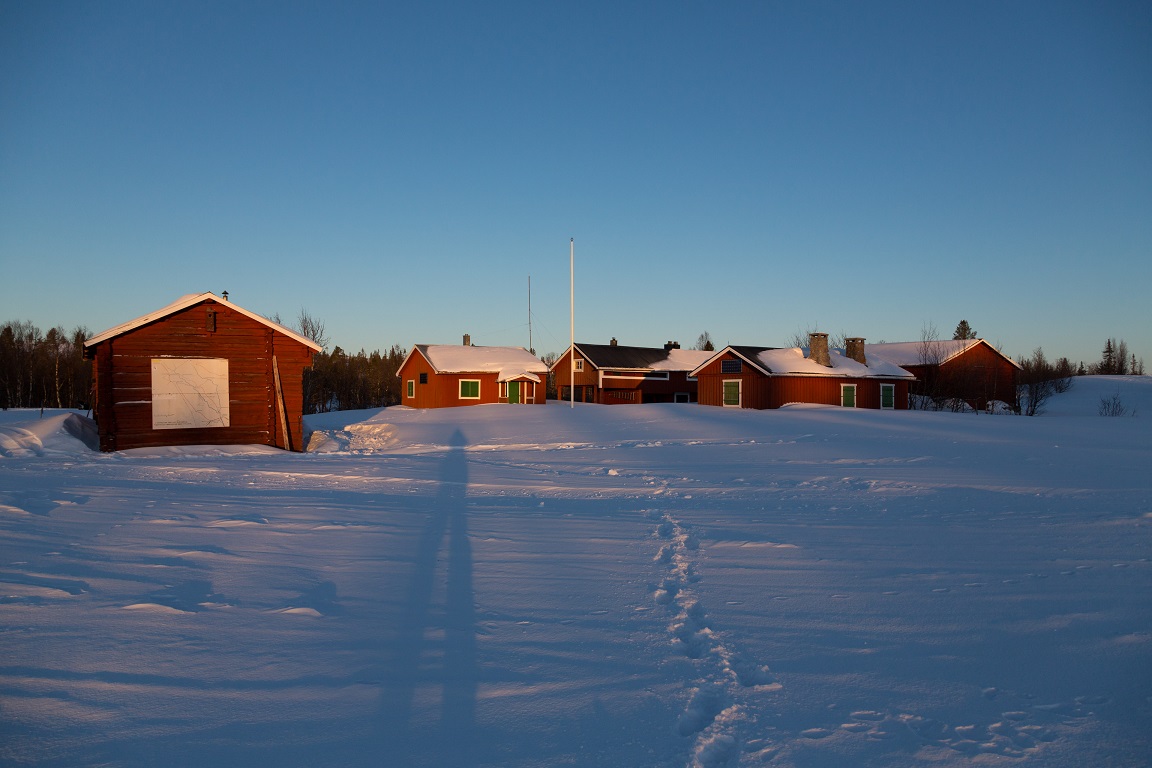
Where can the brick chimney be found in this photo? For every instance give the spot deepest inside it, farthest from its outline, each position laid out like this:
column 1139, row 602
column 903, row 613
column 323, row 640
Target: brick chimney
column 467, row 339
column 818, row 349
column 671, row 345
column 854, row 349
column 613, row 342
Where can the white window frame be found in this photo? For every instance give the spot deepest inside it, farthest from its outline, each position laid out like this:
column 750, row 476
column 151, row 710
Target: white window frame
column 578, row 364
column 893, row 398
column 739, row 393
column 460, row 389
column 411, row 388
column 855, row 395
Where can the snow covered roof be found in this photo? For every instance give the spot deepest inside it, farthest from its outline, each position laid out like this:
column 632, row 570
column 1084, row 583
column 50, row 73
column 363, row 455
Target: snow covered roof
column 622, row 358
column 794, row 361
column 682, row 360
column 508, row 362
column 926, row 352
column 190, row 300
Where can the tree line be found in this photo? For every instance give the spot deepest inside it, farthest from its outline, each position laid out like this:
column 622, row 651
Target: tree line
column 43, row 370
column 48, row 370
column 339, row 381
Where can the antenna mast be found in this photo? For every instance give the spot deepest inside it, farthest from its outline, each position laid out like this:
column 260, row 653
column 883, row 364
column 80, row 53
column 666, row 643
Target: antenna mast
column 530, row 347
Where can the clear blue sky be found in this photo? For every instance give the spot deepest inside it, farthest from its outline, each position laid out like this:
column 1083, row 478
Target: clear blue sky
column 750, row 169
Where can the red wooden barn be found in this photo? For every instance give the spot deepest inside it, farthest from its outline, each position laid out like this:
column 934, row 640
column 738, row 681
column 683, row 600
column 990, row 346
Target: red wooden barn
column 613, row 374
column 202, row 370
column 445, row 375
column 765, row 377
column 969, row 370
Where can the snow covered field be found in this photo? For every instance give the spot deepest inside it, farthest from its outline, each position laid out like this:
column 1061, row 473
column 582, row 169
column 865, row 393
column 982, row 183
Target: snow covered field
column 656, row 585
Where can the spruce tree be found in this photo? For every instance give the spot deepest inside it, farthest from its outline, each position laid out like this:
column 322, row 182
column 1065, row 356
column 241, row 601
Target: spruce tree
column 963, row 331
column 1108, row 359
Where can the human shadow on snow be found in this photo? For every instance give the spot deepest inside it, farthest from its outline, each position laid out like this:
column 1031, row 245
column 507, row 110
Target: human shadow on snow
column 435, row 646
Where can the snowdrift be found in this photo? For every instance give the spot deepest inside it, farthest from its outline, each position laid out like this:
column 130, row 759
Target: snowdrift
column 656, row 585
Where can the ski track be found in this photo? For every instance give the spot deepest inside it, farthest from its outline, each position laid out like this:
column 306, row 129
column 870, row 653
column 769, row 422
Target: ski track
column 733, row 711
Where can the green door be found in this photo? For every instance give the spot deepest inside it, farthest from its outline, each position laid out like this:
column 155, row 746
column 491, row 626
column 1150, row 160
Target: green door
column 731, row 393
column 513, row 391
column 887, row 396
column 848, row 395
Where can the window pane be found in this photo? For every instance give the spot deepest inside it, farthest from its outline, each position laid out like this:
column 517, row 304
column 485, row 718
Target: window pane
column 730, row 366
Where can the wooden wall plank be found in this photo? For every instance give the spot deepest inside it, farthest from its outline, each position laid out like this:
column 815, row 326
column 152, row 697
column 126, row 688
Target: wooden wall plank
column 123, row 373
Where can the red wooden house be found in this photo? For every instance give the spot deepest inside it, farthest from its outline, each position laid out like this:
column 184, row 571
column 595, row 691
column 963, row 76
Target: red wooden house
column 444, row 375
column 766, row 377
column 970, row 370
column 612, row 374
column 201, row 370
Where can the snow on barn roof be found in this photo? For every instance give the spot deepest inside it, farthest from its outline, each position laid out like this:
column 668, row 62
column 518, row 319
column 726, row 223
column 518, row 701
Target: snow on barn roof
column 794, row 361
column 508, row 362
column 682, row 360
column 190, row 300
column 927, row 352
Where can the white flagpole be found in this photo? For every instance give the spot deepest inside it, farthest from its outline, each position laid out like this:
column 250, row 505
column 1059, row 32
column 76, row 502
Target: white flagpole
column 572, row 320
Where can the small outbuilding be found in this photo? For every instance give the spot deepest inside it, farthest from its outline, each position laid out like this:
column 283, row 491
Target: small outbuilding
column 201, row 370
column 768, row 377
column 446, row 375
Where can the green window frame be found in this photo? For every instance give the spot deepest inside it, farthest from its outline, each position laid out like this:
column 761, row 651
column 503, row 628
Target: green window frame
column 887, row 396
column 469, row 389
column 730, row 393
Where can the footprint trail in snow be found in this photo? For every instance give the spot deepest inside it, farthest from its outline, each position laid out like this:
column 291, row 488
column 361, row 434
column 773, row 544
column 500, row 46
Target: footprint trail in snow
column 725, row 678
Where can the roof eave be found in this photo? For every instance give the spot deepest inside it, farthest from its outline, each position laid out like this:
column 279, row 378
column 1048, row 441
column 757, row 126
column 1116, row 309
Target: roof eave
column 185, row 302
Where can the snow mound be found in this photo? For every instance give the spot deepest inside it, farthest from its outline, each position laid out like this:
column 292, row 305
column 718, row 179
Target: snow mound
column 25, row 432
column 365, row 437
column 1133, row 395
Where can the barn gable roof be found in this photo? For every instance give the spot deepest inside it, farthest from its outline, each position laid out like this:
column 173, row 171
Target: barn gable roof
column 794, row 361
column 508, row 363
column 916, row 352
column 190, row 300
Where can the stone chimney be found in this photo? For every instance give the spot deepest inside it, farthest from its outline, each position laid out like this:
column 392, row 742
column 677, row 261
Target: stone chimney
column 854, row 349
column 671, row 345
column 613, row 342
column 467, row 339
column 818, row 349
